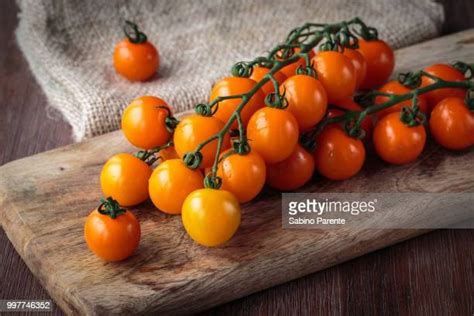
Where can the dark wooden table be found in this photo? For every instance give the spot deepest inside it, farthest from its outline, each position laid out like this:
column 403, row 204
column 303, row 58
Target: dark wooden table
column 429, row 275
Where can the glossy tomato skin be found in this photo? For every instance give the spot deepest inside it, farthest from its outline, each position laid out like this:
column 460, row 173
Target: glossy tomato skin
column 445, row 72
column 124, row 177
column 452, row 124
column 168, row 153
column 338, row 156
column 193, row 130
column 336, row 73
column 307, row 99
column 293, row 172
column 112, row 239
column 273, row 133
column 359, row 63
column 242, row 175
column 350, row 105
column 136, row 62
column 395, row 87
column 259, row 73
column 397, row 143
column 380, row 62
column 232, row 86
column 143, row 122
column 170, row 184
column 211, row 217
column 290, row 70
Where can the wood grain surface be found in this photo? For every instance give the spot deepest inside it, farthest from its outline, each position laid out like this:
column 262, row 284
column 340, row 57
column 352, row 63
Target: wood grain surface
column 432, row 274
column 44, row 217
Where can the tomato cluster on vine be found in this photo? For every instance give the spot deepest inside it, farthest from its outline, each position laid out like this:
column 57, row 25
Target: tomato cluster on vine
column 310, row 107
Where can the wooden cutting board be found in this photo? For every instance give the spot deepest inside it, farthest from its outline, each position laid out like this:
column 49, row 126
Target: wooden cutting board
column 44, row 200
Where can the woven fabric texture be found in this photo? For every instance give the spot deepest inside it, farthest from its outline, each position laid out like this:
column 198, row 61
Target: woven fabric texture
column 69, row 45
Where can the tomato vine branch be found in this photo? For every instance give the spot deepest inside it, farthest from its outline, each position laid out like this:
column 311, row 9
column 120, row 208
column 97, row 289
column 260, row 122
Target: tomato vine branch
column 304, row 38
column 298, row 45
column 353, row 119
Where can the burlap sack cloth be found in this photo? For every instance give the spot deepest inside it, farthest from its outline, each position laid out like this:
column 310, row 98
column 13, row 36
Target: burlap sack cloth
column 69, row 45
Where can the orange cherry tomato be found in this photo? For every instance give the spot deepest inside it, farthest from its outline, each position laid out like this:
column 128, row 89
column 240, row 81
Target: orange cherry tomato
column 171, row 182
column 445, row 72
column 273, row 133
column 338, row 156
column 211, row 217
column 452, row 124
column 293, row 172
column 144, row 122
column 193, row 130
column 112, row 239
column 242, row 175
column 124, row 177
column 259, row 73
column 380, row 62
column 136, row 62
column 307, row 99
column 396, row 142
column 290, row 70
column 232, row 86
column 336, row 73
column 359, row 63
column 350, row 105
column 168, row 153
column 395, row 87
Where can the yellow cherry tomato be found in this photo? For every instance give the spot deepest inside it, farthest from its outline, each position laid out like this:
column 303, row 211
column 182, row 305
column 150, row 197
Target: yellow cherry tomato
column 211, row 217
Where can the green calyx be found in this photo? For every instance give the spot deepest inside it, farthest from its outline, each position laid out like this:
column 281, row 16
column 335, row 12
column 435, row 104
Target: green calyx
column 212, row 181
column 307, row 71
column 276, row 100
column 171, row 122
column 410, row 80
column 150, row 156
column 110, row 207
column 366, row 32
column 242, row 69
column 412, row 116
column 133, row 34
column 192, row 159
column 466, row 69
column 346, row 39
column 352, row 126
column 204, row 109
column 240, row 146
column 469, row 100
